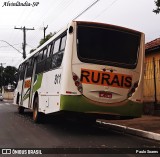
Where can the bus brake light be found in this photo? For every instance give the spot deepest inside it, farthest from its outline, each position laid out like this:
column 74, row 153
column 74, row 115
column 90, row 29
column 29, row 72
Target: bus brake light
column 133, row 89
column 77, row 83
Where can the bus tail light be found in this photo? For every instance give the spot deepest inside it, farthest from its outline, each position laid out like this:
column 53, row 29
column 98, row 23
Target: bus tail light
column 77, row 83
column 133, row 89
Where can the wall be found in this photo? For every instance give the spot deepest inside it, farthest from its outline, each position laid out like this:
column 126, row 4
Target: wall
column 152, row 77
column 8, row 95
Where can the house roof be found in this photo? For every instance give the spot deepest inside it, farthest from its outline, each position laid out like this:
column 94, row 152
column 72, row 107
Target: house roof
column 152, row 44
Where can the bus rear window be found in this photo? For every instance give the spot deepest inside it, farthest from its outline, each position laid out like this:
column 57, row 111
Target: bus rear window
column 107, row 46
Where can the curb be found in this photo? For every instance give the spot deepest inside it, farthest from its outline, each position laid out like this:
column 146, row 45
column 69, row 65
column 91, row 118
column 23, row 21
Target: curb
column 132, row 131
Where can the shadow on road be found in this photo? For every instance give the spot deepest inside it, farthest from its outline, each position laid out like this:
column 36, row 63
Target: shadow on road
column 70, row 124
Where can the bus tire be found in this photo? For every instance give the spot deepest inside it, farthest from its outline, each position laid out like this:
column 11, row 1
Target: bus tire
column 20, row 108
column 36, row 114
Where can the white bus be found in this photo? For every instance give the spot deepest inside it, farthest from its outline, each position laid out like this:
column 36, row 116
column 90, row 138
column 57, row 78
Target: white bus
column 87, row 68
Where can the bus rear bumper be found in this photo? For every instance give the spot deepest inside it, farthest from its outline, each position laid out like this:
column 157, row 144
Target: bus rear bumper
column 81, row 104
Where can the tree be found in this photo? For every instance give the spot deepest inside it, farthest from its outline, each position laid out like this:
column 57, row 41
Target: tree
column 32, row 50
column 9, row 75
column 42, row 41
column 1, row 77
column 157, row 10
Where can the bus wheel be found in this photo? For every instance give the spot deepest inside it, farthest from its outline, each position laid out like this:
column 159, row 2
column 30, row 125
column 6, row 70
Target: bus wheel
column 20, row 109
column 36, row 114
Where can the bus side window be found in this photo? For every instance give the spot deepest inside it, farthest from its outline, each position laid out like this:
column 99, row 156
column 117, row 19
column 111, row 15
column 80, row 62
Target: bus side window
column 62, row 48
column 49, row 59
column 49, row 49
column 40, row 56
column 58, row 56
column 40, row 66
column 63, row 43
column 56, row 46
column 29, row 68
column 22, row 71
column 54, row 55
column 45, row 53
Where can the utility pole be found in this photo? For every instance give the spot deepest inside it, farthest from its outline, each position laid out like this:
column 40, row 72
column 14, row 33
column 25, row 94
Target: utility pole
column 1, row 65
column 44, row 29
column 24, row 39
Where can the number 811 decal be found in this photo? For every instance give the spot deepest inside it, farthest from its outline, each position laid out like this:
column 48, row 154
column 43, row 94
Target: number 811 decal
column 57, row 79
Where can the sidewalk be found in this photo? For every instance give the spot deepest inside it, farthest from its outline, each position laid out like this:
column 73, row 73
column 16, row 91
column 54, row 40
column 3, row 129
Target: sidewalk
column 146, row 126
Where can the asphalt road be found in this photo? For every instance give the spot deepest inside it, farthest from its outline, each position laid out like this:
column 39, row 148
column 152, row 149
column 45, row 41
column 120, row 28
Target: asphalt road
column 19, row 131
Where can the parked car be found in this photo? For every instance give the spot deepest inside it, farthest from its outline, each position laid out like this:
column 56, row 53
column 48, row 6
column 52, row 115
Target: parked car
column 1, row 97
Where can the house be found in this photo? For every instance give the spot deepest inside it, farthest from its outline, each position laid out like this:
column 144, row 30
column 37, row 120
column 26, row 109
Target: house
column 152, row 73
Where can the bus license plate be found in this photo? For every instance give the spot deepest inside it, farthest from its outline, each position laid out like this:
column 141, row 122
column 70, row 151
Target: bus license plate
column 103, row 94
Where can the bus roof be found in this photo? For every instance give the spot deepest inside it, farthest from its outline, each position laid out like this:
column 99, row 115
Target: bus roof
column 80, row 22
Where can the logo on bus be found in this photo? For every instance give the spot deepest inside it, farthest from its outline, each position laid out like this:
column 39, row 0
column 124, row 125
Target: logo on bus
column 106, row 78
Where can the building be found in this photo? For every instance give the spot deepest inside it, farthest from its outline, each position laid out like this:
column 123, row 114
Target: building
column 152, row 73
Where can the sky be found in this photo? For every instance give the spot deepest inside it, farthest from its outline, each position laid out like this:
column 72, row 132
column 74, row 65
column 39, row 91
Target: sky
column 134, row 14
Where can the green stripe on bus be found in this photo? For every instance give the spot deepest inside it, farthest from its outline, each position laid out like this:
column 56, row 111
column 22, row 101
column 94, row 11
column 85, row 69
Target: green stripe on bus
column 36, row 86
column 38, row 82
column 82, row 104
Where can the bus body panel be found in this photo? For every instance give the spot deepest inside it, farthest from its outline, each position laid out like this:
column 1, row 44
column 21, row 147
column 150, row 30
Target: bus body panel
column 49, row 97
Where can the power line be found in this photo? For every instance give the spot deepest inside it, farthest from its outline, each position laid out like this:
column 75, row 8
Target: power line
column 86, row 9
column 82, row 11
column 11, row 45
column 59, row 10
column 106, row 8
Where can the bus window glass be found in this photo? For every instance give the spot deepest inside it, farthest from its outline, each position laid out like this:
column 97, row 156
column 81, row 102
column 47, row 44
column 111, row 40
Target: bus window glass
column 63, row 43
column 29, row 62
column 56, row 46
column 40, row 56
column 45, row 53
column 49, row 50
column 22, row 71
column 57, row 59
column 108, row 46
column 19, row 69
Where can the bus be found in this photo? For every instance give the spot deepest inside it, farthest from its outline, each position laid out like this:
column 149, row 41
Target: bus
column 89, row 69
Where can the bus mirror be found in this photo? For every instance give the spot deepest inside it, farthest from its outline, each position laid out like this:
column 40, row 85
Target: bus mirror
column 70, row 29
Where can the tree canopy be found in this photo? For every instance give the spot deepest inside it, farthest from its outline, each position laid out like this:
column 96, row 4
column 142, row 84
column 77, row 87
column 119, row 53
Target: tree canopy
column 7, row 75
column 157, row 10
column 42, row 41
